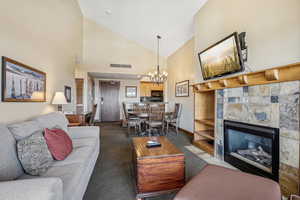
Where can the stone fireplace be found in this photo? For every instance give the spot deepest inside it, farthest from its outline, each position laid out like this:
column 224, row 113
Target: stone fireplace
column 252, row 148
column 275, row 106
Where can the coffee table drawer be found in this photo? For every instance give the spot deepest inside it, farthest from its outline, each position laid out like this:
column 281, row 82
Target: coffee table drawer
column 160, row 175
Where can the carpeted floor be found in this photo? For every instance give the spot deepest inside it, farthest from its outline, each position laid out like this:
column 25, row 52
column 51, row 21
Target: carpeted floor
column 112, row 177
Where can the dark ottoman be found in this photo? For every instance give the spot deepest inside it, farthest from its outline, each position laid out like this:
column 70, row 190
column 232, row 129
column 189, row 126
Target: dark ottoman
column 219, row 183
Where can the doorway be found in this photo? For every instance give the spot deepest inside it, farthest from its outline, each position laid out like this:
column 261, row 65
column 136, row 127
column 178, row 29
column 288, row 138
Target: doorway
column 110, row 105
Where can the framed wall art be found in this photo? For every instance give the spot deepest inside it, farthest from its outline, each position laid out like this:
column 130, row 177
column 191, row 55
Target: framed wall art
column 131, row 91
column 68, row 94
column 21, row 83
column 182, row 89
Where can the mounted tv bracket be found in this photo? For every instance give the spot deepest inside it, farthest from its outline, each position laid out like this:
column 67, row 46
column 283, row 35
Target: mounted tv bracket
column 244, row 47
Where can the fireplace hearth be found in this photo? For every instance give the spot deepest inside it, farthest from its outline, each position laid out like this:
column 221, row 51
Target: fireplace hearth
column 252, row 148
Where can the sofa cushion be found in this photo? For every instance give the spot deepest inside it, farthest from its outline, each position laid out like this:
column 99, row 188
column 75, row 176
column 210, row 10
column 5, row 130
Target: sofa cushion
column 53, row 120
column 10, row 166
column 24, row 129
column 70, row 175
column 78, row 155
column 34, row 154
column 85, row 142
column 59, row 143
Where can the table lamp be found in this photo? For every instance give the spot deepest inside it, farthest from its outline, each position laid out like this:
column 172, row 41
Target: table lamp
column 59, row 100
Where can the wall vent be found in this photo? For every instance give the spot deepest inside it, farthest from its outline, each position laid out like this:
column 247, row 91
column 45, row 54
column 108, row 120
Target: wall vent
column 120, row 66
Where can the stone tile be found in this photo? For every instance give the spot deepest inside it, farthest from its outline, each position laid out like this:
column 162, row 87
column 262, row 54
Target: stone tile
column 292, row 87
column 275, row 89
column 289, row 99
column 260, row 90
column 235, row 112
column 235, row 92
column 244, row 100
column 220, row 100
column 290, row 133
column 289, row 151
column 220, row 111
column 274, row 99
column 288, row 179
column 219, row 133
column 233, row 100
column 289, row 112
column 246, row 90
column 219, row 151
column 263, row 114
column 225, row 93
column 259, row 100
column 220, row 93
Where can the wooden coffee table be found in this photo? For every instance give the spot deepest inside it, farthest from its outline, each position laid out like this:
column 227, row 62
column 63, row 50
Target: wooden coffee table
column 157, row 170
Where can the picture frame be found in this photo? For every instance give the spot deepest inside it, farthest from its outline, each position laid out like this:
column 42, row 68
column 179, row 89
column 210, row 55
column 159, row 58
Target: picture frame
column 131, row 91
column 21, row 83
column 68, row 94
column 182, row 89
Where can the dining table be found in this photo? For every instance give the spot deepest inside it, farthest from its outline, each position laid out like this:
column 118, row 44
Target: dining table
column 144, row 117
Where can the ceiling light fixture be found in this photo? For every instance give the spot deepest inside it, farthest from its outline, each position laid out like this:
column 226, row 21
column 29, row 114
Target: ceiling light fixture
column 157, row 76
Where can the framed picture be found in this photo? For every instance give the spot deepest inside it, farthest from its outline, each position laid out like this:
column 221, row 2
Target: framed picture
column 182, row 89
column 68, row 94
column 21, row 83
column 131, row 91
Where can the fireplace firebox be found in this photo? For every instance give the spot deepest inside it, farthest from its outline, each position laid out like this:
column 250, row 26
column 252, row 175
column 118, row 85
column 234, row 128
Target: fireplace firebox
column 251, row 148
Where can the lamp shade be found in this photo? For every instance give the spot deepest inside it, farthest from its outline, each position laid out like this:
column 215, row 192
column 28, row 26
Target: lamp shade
column 59, row 99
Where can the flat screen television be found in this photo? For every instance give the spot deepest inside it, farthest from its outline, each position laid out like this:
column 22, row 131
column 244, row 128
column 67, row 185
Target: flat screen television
column 222, row 58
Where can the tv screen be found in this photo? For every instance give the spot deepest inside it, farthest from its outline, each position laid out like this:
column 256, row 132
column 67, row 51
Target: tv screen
column 222, row 58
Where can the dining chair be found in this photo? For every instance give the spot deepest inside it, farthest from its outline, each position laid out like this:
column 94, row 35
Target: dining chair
column 156, row 118
column 174, row 119
column 130, row 121
column 92, row 118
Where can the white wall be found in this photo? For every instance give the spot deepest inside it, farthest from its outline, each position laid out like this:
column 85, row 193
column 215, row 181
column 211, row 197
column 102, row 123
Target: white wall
column 46, row 35
column 122, row 96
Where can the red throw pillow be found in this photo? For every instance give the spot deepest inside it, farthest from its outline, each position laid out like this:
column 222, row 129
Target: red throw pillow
column 59, row 143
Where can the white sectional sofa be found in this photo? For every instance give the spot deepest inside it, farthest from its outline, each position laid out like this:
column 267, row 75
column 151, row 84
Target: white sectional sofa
column 64, row 180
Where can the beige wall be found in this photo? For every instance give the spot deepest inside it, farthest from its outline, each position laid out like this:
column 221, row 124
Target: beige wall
column 272, row 26
column 46, row 35
column 181, row 67
column 273, row 38
column 101, row 47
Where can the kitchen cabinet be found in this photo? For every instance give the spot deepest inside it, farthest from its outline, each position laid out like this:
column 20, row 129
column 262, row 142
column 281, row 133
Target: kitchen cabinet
column 147, row 87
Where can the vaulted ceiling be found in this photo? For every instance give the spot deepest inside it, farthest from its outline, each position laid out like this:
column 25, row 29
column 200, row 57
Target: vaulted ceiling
column 142, row 20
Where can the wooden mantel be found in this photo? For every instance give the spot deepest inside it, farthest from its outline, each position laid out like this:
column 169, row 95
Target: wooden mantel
column 274, row 75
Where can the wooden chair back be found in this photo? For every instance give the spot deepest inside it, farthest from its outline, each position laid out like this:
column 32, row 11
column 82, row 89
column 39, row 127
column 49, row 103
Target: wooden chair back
column 177, row 110
column 140, row 108
column 156, row 112
column 125, row 111
column 92, row 119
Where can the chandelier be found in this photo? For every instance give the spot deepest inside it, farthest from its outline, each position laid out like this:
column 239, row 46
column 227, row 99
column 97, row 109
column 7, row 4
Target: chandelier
column 158, row 76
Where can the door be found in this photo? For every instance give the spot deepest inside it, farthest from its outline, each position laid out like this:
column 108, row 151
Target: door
column 110, row 106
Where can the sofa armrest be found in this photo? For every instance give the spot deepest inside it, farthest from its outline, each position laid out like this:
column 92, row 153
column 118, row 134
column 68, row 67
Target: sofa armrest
column 84, row 132
column 33, row 189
